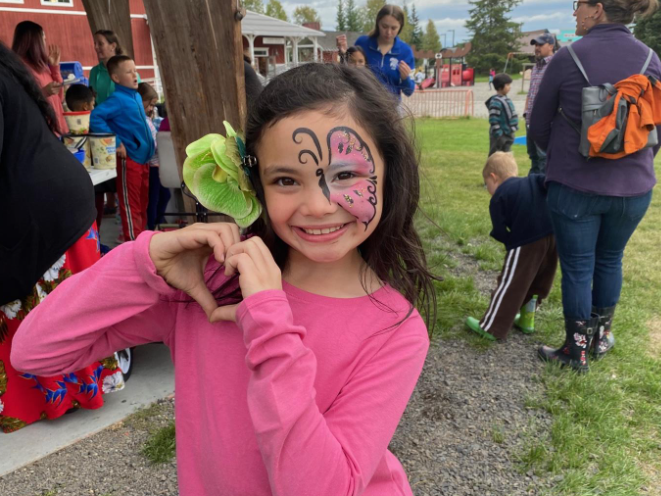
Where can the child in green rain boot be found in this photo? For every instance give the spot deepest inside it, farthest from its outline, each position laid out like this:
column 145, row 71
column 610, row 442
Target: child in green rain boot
column 521, row 222
column 525, row 319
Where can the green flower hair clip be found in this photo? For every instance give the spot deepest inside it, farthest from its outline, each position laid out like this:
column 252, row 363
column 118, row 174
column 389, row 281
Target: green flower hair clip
column 217, row 171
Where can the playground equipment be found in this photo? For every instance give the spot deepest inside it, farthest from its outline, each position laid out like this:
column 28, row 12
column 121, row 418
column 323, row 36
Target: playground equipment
column 441, row 103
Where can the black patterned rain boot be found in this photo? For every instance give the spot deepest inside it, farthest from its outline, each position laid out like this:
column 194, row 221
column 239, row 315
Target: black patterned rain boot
column 574, row 352
column 603, row 340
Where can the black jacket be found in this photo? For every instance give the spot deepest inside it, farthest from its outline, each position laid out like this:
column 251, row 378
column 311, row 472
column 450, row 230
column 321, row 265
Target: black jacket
column 46, row 196
column 519, row 213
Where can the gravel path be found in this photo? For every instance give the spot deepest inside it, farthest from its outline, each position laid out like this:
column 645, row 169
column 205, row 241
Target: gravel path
column 460, row 436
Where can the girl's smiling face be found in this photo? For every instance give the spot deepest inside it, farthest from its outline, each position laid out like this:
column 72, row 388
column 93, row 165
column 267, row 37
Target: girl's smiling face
column 323, row 183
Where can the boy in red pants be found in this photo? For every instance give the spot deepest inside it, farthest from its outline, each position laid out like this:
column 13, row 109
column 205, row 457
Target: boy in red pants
column 124, row 115
column 522, row 223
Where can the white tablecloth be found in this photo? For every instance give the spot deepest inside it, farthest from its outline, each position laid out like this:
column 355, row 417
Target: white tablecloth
column 102, row 175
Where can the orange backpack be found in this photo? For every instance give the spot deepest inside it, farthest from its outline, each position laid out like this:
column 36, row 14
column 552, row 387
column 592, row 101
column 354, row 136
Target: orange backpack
column 620, row 119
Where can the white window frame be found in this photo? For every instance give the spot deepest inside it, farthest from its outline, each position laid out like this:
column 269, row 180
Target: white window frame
column 261, row 51
column 57, row 4
column 12, row 1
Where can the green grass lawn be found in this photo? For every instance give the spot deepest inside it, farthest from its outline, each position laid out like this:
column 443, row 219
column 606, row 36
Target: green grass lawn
column 606, row 436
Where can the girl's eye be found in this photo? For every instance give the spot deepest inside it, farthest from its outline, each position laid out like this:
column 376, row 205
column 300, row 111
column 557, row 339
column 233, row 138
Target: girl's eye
column 343, row 176
column 285, row 181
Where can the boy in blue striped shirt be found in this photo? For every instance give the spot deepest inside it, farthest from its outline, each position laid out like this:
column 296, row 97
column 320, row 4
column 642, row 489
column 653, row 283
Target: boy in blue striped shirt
column 502, row 116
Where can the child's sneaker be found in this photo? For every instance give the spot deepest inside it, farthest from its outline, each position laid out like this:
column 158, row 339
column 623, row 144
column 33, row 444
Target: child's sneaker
column 525, row 319
column 474, row 325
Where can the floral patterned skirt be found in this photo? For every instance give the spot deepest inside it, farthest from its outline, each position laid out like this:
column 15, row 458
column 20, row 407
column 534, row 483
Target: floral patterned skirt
column 26, row 398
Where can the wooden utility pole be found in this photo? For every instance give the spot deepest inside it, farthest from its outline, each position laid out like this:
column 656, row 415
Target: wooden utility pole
column 114, row 15
column 199, row 49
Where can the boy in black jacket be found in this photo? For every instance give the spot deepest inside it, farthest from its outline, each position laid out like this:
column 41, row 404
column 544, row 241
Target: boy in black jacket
column 522, row 223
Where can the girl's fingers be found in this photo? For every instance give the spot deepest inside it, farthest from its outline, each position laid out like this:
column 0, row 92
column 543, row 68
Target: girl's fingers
column 251, row 248
column 224, row 313
column 239, row 262
column 203, row 296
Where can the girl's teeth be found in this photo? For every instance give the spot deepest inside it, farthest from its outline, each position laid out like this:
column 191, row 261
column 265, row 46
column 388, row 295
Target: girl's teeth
column 322, row 231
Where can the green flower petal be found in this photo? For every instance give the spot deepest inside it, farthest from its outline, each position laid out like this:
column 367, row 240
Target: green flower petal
column 254, row 214
column 232, row 152
column 219, row 175
column 225, row 198
column 229, row 130
column 203, row 144
column 219, row 150
column 192, row 164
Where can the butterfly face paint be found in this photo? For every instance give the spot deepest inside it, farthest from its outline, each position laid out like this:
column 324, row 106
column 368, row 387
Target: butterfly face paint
column 349, row 179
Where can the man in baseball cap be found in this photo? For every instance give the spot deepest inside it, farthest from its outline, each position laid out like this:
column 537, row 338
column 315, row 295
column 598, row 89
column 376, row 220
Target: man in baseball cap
column 544, row 49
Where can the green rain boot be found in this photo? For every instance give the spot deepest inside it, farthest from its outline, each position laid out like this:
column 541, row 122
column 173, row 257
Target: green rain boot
column 525, row 319
column 474, row 325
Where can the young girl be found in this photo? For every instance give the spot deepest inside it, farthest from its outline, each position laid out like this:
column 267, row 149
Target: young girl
column 356, row 56
column 297, row 386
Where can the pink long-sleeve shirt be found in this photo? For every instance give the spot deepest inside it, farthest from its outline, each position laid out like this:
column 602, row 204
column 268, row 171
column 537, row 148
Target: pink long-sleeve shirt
column 44, row 77
column 300, row 397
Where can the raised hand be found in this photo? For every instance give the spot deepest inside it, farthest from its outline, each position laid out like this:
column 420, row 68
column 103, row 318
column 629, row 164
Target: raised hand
column 180, row 257
column 404, row 69
column 53, row 55
column 257, row 272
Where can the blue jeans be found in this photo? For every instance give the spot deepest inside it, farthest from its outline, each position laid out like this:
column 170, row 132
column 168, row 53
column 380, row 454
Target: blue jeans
column 536, row 154
column 158, row 200
column 591, row 233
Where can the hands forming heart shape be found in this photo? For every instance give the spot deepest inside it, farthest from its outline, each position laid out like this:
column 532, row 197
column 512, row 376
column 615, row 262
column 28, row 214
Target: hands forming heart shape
column 181, row 256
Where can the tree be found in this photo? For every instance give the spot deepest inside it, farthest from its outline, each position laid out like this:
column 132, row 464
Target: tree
column 254, row 6
column 431, row 40
column 368, row 14
column 417, row 34
column 353, row 17
column 341, row 16
column 275, row 9
column 407, row 30
column 494, row 34
column 304, row 13
column 648, row 31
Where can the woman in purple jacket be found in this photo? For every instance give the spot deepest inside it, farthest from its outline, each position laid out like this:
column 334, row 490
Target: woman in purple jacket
column 595, row 205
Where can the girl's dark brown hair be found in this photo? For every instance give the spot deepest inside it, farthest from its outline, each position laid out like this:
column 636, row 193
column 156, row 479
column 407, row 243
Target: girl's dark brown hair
column 29, row 45
column 388, row 10
column 12, row 66
column 111, row 38
column 394, row 250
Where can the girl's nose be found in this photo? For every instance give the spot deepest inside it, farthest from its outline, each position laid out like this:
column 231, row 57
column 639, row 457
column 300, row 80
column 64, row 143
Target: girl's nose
column 316, row 203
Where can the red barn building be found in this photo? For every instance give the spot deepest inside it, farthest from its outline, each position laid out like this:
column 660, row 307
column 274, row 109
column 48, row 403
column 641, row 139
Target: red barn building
column 65, row 24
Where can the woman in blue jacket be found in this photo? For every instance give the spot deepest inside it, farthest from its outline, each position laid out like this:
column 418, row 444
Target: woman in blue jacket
column 390, row 58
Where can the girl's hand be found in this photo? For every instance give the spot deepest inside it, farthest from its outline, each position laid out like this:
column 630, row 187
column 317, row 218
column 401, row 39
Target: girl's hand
column 257, row 272
column 53, row 55
column 52, row 88
column 181, row 256
column 404, row 70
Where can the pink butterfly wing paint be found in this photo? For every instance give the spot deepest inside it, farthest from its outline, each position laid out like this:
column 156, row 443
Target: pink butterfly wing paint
column 359, row 198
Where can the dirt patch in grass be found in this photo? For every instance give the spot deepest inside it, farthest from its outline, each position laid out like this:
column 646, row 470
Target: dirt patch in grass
column 653, row 488
column 654, row 349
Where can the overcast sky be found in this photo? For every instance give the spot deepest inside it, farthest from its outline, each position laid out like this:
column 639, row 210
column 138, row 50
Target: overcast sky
column 451, row 14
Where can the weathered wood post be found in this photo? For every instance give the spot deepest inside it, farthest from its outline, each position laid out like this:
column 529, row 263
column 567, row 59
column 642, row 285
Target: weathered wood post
column 114, row 15
column 200, row 55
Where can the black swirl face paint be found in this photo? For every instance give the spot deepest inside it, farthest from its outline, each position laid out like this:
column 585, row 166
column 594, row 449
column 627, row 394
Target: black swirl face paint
column 348, row 155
